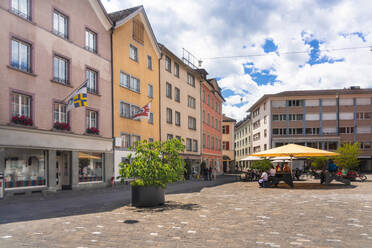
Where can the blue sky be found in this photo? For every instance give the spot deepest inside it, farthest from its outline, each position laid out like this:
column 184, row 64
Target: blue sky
column 218, row 28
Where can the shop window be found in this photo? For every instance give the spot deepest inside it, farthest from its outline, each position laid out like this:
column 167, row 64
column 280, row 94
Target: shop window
column 24, row 168
column 90, row 167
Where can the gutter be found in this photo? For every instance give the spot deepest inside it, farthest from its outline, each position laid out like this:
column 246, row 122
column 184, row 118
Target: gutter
column 112, row 88
column 161, row 56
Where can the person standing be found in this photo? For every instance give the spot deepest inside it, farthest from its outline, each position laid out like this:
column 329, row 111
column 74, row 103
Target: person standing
column 210, row 173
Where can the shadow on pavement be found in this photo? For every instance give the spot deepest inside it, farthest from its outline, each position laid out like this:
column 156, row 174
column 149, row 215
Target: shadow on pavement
column 168, row 206
column 312, row 186
column 62, row 204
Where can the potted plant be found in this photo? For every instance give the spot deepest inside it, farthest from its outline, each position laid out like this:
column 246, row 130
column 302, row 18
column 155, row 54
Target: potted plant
column 153, row 166
column 22, row 120
column 92, row 130
column 62, row 126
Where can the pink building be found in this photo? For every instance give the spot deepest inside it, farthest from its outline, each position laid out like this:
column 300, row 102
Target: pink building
column 49, row 49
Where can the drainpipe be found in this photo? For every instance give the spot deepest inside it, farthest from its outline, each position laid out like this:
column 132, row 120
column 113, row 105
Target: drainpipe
column 112, row 97
column 161, row 56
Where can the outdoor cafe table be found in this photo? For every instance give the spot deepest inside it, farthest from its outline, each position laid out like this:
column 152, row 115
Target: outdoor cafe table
column 282, row 176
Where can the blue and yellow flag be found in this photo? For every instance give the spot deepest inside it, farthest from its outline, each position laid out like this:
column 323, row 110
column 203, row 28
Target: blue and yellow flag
column 78, row 98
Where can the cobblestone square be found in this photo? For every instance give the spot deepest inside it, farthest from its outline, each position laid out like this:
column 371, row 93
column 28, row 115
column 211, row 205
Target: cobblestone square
column 237, row 214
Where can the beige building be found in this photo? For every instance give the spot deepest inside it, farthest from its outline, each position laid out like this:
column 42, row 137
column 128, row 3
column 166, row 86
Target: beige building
column 180, row 105
column 243, row 141
column 48, row 51
column 228, row 155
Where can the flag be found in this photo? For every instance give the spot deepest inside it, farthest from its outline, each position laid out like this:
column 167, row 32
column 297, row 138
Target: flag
column 78, row 98
column 143, row 112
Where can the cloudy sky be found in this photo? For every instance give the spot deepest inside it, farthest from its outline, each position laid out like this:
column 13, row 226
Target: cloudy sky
column 283, row 44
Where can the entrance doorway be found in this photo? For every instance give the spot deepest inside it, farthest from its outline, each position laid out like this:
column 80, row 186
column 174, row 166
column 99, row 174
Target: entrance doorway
column 63, row 170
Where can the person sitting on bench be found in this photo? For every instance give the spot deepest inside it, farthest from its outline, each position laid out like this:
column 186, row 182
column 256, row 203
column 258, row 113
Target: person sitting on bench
column 263, row 180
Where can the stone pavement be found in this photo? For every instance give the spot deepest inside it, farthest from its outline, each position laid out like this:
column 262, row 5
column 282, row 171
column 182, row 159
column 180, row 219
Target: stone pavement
column 237, row 214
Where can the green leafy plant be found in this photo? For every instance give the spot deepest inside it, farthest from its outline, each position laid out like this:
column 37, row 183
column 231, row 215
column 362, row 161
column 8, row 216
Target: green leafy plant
column 348, row 158
column 154, row 163
column 262, row 165
column 319, row 163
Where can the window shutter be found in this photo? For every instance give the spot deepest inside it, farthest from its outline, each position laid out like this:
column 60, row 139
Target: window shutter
column 227, row 129
column 138, row 31
column 227, row 144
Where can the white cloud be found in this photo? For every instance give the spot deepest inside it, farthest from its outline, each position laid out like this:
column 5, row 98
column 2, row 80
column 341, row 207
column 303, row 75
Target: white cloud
column 213, row 28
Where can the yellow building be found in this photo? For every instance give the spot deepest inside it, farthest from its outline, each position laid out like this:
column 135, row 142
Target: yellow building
column 135, row 80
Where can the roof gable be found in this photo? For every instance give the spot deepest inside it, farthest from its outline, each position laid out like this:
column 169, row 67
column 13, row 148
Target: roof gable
column 101, row 13
column 121, row 17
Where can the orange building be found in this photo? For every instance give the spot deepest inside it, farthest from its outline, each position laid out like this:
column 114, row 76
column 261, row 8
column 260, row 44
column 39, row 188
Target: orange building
column 135, row 80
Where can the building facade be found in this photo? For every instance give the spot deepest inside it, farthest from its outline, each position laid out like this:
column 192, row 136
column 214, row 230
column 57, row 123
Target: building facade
column 212, row 124
column 243, row 141
column 48, row 52
column 228, row 154
column 135, row 81
column 180, row 110
column 322, row 119
column 260, row 121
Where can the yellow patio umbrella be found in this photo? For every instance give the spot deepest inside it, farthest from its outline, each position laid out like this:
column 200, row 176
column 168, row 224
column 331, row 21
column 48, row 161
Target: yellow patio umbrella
column 293, row 150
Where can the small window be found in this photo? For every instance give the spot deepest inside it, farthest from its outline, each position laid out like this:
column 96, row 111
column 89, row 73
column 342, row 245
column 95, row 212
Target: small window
column 125, row 110
column 21, row 55
column 124, row 80
column 90, row 41
column 61, row 67
column 151, row 118
column 21, row 8
column 149, row 90
column 92, row 119
column 169, row 136
column 195, row 146
column 21, row 105
column 192, row 123
column 134, row 110
column 133, row 52
column 176, row 70
column 149, row 62
column 151, row 140
column 91, row 77
column 168, row 89
column 169, row 115
column 177, row 96
column 179, row 138
column 135, row 84
column 191, row 102
column 59, row 113
column 135, row 138
column 60, row 24
column 191, row 80
column 168, row 65
column 125, row 140
column 188, row 145
column 177, row 117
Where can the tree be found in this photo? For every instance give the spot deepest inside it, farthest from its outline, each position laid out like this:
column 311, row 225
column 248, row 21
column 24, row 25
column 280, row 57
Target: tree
column 262, row 165
column 155, row 163
column 319, row 163
column 348, row 158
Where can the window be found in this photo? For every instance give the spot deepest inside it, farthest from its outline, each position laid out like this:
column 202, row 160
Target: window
column 363, row 101
column 177, row 93
column 278, row 104
column 90, row 167
column 130, row 82
column 329, row 116
column 346, row 116
column 256, row 136
column 169, row 115
column 21, row 105
column 169, row 136
column 134, row 110
column 329, row 130
column 329, row 102
column 346, row 130
column 21, row 55
column 256, row 112
column 265, row 106
column 177, row 118
column 265, row 133
column 365, row 145
column 176, row 70
column 265, row 147
column 151, row 140
column 90, row 41
column 92, row 119
column 203, row 116
column 298, row 131
column 149, row 62
column 168, row 64
column 346, row 101
column 204, row 141
column 125, row 110
column 208, row 120
column 151, row 118
column 225, row 145
column 135, row 138
column 295, row 117
column 138, row 31
column 363, row 116
column 192, row 123
column 195, row 146
column 60, row 113
column 312, row 117
column 208, row 99
column 265, row 119
column 282, row 117
column 212, row 121
column 365, row 129
column 188, row 145
column 190, row 79
column 216, row 126
column 61, row 68
column 208, row 142
column 226, row 129
column 256, row 124
column 295, row 103
column 21, row 8
column 191, row 102
column 203, row 95
column 312, row 103
column 125, row 140
column 279, row 131
column 168, row 90
column 91, row 77
column 60, row 24
column 179, row 138
column 133, row 52
column 150, row 91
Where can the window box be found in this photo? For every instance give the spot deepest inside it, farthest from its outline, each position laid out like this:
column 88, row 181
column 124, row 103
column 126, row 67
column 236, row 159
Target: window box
column 62, row 126
column 22, row 120
column 92, row 130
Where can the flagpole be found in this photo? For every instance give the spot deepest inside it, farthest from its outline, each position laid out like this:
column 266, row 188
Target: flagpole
column 74, row 90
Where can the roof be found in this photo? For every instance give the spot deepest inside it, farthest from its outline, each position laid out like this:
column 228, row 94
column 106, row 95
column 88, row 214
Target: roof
column 245, row 120
column 122, row 14
column 213, row 83
column 227, row 119
column 101, row 13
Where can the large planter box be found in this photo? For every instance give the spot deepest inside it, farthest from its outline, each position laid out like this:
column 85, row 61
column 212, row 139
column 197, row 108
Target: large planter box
column 147, row 196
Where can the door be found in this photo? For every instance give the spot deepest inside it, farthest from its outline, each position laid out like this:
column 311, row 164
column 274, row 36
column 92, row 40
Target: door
column 66, row 171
